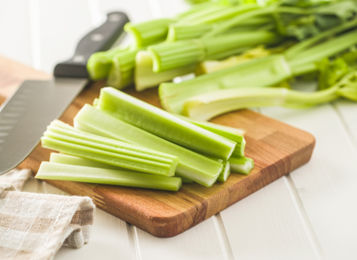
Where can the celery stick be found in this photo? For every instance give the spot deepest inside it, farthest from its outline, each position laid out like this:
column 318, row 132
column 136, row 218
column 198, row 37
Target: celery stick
column 118, row 158
column 78, row 161
column 121, row 73
column 226, row 171
column 146, row 78
column 242, row 165
column 65, row 172
column 100, row 63
column 163, row 124
column 266, row 71
column 148, row 32
column 191, row 165
column 234, row 134
column 110, row 144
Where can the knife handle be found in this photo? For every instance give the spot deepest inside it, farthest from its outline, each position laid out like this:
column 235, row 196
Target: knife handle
column 99, row 39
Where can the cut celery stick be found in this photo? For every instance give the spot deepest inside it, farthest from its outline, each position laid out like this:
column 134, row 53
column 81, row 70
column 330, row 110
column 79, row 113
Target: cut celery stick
column 164, row 124
column 120, row 158
column 226, row 171
column 234, row 134
column 241, row 165
column 65, row 172
column 74, row 160
column 98, row 141
column 146, row 78
column 191, row 165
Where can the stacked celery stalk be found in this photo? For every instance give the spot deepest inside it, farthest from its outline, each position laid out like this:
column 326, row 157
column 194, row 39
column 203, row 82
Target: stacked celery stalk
column 124, row 141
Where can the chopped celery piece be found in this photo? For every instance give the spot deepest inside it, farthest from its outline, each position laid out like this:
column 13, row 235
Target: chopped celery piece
column 242, row 165
column 171, row 55
column 100, row 63
column 163, row 124
column 226, row 171
column 120, row 155
column 149, row 32
column 146, row 78
column 234, row 134
column 191, row 165
column 121, row 73
column 66, row 172
column 58, row 127
column 74, row 160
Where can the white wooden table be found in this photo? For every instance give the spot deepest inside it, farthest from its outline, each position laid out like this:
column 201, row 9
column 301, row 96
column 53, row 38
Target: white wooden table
column 310, row 214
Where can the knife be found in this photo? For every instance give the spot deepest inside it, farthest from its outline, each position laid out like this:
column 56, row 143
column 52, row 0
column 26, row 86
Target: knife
column 25, row 116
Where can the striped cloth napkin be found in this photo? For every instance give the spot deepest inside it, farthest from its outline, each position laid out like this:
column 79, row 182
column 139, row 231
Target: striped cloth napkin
column 35, row 226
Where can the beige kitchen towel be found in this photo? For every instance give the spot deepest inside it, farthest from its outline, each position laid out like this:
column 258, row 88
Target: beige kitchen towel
column 35, row 226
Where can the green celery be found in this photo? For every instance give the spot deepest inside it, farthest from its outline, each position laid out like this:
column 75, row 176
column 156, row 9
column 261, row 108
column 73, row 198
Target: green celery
column 149, row 32
column 171, row 55
column 234, row 134
column 74, row 160
column 191, row 165
column 100, row 63
column 265, row 71
column 119, row 154
column 121, row 73
column 65, row 172
column 58, row 127
column 206, row 106
column 163, row 124
column 146, row 78
column 226, row 171
column 242, row 165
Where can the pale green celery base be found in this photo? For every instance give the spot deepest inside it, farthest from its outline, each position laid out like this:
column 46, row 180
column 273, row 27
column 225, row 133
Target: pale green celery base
column 266, row 71
column 203, row 169
column 226, row 171
column 242, row 165
column 57, row 171
column 146, row 78
column 164, row 124
column 234, row 134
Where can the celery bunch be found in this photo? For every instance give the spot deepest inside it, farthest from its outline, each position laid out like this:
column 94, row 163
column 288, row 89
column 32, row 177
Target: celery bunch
column 124, row 141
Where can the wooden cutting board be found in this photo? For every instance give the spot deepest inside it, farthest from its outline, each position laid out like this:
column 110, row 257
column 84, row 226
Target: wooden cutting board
column 276, row 148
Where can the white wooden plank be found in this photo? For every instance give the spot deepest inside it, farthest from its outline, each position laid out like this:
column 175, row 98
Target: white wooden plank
column 199, row 242
column 347, row 110
column 266, row 225
column 61, row 24
column 327, row 184
column 15, row 29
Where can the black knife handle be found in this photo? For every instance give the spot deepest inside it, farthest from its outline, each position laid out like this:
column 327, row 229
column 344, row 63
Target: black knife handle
column 99, row 39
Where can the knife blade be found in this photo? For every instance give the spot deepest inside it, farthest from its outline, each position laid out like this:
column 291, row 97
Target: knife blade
column 25, row 116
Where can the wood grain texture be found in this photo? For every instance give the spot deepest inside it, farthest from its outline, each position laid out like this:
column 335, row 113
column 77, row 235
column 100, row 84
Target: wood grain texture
column 277, row 149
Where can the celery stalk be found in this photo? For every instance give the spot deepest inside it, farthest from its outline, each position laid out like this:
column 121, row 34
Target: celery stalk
column 146, row 78
column 100, row 63
column 74, row 160
column 149, row 32
column 164, row 124
column 266, row 71
column 191, row 165
column 242, row 165
column 172, row 55
column 234, row 134
column 226, row 171
column 206, row 106
column 119, row 154
column 65, row 172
